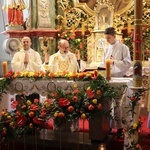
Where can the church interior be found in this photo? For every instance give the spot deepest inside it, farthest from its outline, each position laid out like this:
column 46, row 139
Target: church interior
column 70, row 110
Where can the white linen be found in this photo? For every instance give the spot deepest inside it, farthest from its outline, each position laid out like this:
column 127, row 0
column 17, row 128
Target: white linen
column 122, row 99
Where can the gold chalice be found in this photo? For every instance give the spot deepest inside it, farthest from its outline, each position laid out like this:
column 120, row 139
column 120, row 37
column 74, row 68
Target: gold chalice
column 47, row 67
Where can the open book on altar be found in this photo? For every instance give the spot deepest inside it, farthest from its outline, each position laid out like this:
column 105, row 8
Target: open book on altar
column 94, row 68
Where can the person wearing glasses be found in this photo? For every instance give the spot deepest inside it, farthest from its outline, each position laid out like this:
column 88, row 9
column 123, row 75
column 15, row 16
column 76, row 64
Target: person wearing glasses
column 63, row 60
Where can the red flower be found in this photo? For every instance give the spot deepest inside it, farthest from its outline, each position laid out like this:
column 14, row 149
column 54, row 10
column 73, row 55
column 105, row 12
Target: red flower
column 94, row 75
column 9, row 74
column 90, row 107
column 63, row 102
column 90, row 93
column 14, row 104
column 21, row 121
column 36, row 100
column 38, row 121
column 99, row 106
column 133, row 98
column 34, row 107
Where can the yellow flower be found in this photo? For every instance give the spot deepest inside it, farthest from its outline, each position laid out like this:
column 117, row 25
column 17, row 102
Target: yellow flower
column 55, row 114
column 94, row 101
column 29, row 102
column 4, row 129
column 9, row 117
column 75, row 85
column 88, row 88
column 83, row 115
column 30, row 125
column 134, row 126
column 31, row 74
column 11, row 124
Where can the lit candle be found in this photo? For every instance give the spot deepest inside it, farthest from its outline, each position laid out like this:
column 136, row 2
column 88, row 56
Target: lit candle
column 83, row 29
column 5, row 68
column 129, row 26
column 108, row 69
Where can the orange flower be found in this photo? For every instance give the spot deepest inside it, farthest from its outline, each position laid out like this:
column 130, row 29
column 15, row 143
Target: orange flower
column 98, row 92
column 31, row 114
column 61, row 115
column 76, row 91
column 70, row 108
column 75, row 98
column 24, row 106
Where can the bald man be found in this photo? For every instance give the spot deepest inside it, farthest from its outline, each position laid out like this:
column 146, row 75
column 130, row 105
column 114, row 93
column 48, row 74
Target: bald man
column 63, row 60
column 26, row 59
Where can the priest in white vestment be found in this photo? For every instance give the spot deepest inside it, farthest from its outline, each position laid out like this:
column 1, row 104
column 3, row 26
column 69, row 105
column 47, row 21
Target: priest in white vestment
column 26, row 59
column 63, row 60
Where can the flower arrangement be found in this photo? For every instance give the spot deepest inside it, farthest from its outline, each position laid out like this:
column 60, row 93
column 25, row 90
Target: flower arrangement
column 25, row 118
column 61, row 106
column 82, row 103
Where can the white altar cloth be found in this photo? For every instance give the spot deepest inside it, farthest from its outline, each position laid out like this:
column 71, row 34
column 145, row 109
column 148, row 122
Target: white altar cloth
column 45, row 86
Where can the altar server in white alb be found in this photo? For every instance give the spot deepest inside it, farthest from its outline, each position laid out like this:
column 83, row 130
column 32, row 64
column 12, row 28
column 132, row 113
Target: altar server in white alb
column 119, row 55
column 26, row 59
column 63, row 60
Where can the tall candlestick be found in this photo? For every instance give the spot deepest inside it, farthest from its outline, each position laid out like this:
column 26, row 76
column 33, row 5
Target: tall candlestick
column 108, row 69
column 5, row 68
column 83, row 29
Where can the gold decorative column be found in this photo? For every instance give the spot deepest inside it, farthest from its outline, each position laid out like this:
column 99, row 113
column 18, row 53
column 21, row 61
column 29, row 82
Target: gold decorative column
column 137, row 65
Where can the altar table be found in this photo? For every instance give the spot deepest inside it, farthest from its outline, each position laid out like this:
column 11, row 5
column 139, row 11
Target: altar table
column 46, row 86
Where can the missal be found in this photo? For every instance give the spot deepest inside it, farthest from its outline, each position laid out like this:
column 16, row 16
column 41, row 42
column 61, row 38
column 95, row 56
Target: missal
column 94, row 68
